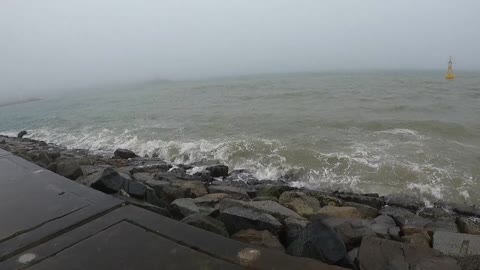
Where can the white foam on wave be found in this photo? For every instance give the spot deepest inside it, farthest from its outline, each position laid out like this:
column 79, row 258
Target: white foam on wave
column 403, row 132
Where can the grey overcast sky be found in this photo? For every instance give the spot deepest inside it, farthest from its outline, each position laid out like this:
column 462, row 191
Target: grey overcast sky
column 51, row 44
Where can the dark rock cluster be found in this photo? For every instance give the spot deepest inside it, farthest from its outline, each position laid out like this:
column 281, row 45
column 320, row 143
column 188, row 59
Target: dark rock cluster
column 356, row 231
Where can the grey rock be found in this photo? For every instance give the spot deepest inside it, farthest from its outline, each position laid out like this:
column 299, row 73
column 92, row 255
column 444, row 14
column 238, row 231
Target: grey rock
column 269, row 207
column 238, row 193
column 293, row 228
column 380, row 254
column 404, row 201
column 374, row 202
column 143, row 177
column 266, row 198
column 207, row 223
column 325, row 199
column 351, row 231
column 218, row 170
column 320, row 242
column 204, row 176
column 21, row 134
column 272, row 190
column 404, row 217
column 240, row 218
column 135, row 189
column 385, row 227
column 442, row 225
column 470, row 225
column 300, row 203
column 352, row 257
column 104, row 179
column 124, row 153
column 259, row 238
column 456, row 244
column 70, row 168
column 366, row 211
column 183, row 207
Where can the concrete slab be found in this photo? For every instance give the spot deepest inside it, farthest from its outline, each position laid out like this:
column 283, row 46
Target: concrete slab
column 3, row 153
column 127, row 243
column 113, row 249
column 456, row 244
column 37, row 204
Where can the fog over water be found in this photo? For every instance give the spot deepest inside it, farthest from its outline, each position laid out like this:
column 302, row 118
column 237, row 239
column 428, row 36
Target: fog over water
column 64, row 44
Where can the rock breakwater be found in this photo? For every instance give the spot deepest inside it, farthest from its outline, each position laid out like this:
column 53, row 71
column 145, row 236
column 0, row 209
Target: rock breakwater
column 356, row 231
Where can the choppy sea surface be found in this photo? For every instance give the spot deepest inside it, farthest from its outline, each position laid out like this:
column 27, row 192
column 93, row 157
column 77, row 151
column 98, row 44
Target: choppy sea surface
column 384, row 132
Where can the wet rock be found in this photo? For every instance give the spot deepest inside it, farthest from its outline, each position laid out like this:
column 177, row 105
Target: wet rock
column 143, row 177
column 293, row 228
column 124, row 153
column 338, row 212
column 241, row 175
column 237, row 193
column 351, row 231
column 135, row 189
column 404, row 217
column 320, row 242
column 470, row 225
column 404, row 201
column 204, row 176
column 150, row 165
column 207, row 223
column 269, row 207
column 240, row 218
column 272, row 190
column 351, row 258
column 456, row 244
column 180, row 174
column 21, row 134
column 380, row 254
column 258, row 238
column 325, row 199
column 385, row 227
column 218, row 170
column 299, row 202
column 105, row 179
column 70, row 168
column 465, row 210
column 442, row 225
column 366, row 211
column 197, row 189
column 372, row 201
column 266, row 198
column 152, row 198
column 436, row 213
column 181, row 208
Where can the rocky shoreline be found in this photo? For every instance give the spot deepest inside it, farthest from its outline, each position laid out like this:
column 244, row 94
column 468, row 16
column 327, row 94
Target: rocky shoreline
column 356, row 231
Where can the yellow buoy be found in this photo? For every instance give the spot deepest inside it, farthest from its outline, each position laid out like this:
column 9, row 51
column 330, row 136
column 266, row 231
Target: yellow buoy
column 450, row 75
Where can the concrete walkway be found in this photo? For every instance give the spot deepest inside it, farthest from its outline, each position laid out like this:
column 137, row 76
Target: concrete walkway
column 50, row 222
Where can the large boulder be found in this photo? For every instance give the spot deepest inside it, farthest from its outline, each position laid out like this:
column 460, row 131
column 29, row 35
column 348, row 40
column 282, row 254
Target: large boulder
column 366, row 211
column 270, row 190
column 21, row 134
column 299, row 202
column 269, row 207
column 339, row 212
column 105, row 179
column 324, row 199
column 238, row 193
column 320, row 242
column 351, row 231
column 259, row 238
column 372, row 201
column 293, row 228
column 404, row 217
column 470, row 225
column 197, row 189
column 124, row 153
column 181, row 208
column 380, row 254
column 404, row 201
column 240, row 218
column 456, row 244
column 218, row 170
column 207, row 223
column 135, row 189
column 385, row 227
column 143, row 177
column 70, row 168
